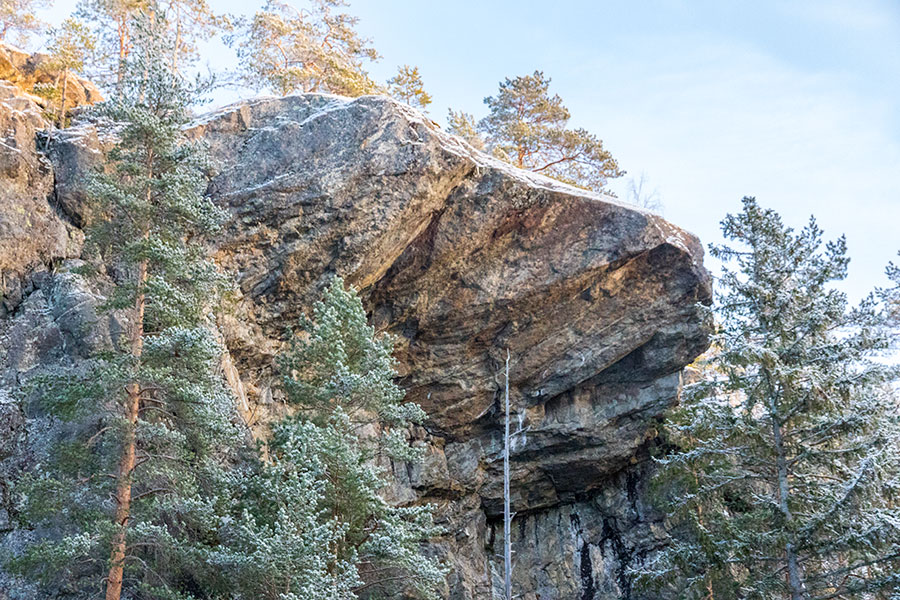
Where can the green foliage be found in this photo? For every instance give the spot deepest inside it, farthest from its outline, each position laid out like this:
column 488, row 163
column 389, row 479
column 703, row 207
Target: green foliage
column 289, row 50
column 190, row 22
column 112, row 24
column 18, row 21
column 463, row 125
column 891, row 295
column 527, row 127
column 785, row 478
column 70, row 46
column 150, row 219
column 184, row 24
column 407, row 86
column 339, row 375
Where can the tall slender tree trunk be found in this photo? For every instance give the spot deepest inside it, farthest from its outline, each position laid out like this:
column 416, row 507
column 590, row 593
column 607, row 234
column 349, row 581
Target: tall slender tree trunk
column 507, row 519
column 795, row 580
column 122, row 30
column 176, row 48
column 127, row 458
column 129, row 441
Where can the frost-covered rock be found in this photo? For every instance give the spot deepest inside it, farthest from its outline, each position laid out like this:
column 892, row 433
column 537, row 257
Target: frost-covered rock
column 462, row 257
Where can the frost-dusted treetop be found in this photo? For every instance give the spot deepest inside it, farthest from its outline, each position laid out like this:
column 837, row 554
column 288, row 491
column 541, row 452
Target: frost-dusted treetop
column 787, row 474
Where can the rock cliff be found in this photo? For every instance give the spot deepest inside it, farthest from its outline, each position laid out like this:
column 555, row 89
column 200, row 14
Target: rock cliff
column 462, row 258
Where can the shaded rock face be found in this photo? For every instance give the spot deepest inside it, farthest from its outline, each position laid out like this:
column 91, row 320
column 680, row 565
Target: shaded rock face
column 462, row 258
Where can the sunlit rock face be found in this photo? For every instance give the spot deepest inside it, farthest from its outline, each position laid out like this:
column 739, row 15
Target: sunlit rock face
column 32, row 234
column 463, row 259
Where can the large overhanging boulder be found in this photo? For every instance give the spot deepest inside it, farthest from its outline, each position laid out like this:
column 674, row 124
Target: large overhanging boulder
column 458, row 254
column 463, row 258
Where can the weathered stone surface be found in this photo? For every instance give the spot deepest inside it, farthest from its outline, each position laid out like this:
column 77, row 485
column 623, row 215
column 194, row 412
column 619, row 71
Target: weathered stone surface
column 31, row 233
column 462, row 258
column 55, row 324
column 25, row 70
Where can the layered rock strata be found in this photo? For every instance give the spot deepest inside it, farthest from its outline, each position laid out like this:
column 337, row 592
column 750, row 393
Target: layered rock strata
column 462, row 258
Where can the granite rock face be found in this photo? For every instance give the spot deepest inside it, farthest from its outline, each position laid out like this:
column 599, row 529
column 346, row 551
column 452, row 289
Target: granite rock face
column 25, row 70
column 32, row 234
column 462, row 258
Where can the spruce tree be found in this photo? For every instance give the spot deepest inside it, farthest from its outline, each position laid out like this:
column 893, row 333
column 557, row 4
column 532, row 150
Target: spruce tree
column 352, row 421
column 147, row 426
column 528, row 128
column 785, row 478
column 891, row 295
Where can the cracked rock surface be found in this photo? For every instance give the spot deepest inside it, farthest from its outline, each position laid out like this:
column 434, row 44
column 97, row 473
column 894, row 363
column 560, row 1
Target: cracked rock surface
column 462, row 258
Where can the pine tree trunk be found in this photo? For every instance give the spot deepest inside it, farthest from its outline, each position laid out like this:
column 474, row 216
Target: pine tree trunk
column 127, row 459
column 177, row 45
column 123, row 52
column 795, row 581
column 129, row 442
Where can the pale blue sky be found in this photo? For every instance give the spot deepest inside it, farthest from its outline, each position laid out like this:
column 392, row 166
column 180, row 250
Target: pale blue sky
column 795, row 102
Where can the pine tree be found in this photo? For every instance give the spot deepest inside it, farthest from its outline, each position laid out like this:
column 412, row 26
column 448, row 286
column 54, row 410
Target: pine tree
column 463, row 125
column 190, row 22
column 71, row 45
column 339, row 376
column 187, row 22
column 112, row 23
column 528, row 128
column 132, row 480
column 786, row 471
column 407, row 86
column 18, row 21
column 288, row 50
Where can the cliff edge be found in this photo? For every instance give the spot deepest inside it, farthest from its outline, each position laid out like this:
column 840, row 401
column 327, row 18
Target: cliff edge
column 462, row 257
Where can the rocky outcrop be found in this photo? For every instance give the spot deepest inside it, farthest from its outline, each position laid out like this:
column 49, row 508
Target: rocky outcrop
column 26, row 70
column 32, row 235
column 462, row 258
